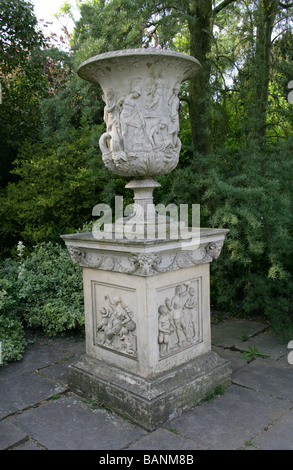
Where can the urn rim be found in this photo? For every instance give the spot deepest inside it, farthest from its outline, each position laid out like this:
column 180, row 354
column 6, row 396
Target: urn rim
column 140, row 53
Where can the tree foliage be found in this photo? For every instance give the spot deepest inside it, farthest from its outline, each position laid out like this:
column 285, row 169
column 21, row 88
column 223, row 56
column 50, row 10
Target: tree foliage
column 19, row 35
column 21, row 78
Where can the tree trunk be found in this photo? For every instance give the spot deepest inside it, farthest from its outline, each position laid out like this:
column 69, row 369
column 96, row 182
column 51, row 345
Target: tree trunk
column 265, row 18
column 200, row 28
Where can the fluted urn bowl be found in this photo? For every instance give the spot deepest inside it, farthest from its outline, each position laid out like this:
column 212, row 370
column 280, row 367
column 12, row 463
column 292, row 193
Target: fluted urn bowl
column 140, row 91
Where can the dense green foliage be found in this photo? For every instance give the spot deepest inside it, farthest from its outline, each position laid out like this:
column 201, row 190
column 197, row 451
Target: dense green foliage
column 12, row 334
column 51, row 290
column 236, row 128
column 249, row 194
column 22, row 79
column 43, row 291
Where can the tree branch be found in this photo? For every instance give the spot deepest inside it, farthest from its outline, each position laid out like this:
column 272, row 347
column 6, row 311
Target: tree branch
column 278, row 35
column 161, row 7
column 284, row 5
column 221, row 6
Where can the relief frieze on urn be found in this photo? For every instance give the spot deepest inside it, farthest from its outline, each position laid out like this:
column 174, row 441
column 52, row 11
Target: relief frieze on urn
column 140, row 91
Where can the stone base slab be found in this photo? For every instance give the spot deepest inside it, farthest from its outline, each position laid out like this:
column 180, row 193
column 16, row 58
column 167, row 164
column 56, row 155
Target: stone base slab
column 149, row 402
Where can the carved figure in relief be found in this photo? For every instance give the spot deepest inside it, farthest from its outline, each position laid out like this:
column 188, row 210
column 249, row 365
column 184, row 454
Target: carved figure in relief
column 148, row 99
column 120, row 320
column 159, row 136
column 165, row 329
column 131, row 119
column 111, row 140
column 191, row 309
column 110, row 108
column 175, row 306
column 155, row 97
column 103, row 323
column 117, row 326
column 174, row 116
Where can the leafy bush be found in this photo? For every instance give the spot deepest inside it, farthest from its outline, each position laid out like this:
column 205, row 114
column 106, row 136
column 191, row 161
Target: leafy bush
column 51, row 290
column 12, row 339
column 11, row 329
column 42, row 291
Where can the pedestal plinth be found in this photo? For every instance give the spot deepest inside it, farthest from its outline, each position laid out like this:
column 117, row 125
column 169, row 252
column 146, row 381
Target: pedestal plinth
column 147, row 314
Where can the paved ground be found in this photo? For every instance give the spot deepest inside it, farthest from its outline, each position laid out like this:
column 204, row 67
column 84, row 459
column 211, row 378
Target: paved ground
column 38, row 412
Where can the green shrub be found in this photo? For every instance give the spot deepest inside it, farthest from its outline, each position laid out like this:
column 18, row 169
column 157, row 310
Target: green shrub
column 51, row 290
column 43, row 291
column 12, row 336
column 12, row 339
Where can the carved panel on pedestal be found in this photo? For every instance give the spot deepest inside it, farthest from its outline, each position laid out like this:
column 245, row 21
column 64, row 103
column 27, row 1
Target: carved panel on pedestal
column 114, row 319
column 179, row 316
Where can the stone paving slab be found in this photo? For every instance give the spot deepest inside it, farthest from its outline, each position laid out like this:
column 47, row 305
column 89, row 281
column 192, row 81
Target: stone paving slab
column 278, row 436
column 229, row 421
column 74, row 344
column 235, row 357
column 25, row 391
column 69, row 424
column 10, row 435
column 229, row 333
column 265, row 343
column 166, row 440
column 58, row 372
column 267, row 376
column 36, row 357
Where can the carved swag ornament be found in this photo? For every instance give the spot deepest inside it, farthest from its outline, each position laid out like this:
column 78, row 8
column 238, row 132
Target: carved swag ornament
column 142, row 264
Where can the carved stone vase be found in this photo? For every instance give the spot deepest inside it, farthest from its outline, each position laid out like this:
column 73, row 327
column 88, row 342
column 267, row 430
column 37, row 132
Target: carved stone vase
column 140, row 90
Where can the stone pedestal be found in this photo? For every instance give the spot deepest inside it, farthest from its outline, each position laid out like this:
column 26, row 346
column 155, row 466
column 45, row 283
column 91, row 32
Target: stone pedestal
column 147, row 311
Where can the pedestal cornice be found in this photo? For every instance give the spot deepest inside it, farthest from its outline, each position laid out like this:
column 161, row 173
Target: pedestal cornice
column 144, row 257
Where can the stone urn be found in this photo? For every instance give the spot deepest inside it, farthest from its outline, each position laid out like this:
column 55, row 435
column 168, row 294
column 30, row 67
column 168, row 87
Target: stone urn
column 140, row 90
